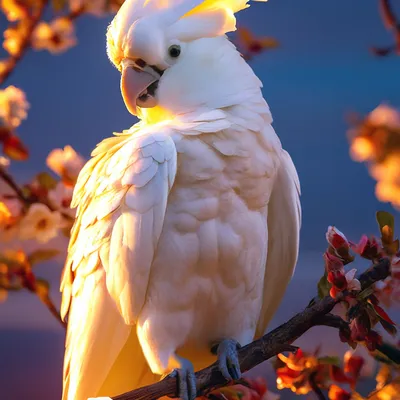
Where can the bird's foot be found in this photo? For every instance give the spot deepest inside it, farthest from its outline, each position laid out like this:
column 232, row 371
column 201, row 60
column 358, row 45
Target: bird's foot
column 186, row 379
column 228, row 360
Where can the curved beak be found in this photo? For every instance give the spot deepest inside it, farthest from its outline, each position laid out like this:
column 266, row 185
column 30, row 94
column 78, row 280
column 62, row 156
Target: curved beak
column 133, row 82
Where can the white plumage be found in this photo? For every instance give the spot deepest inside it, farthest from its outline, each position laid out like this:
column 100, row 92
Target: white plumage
column 187, row 227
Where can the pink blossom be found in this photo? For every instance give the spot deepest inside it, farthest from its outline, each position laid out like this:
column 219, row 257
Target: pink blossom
column 396, row 266
column 385, row 115
column 65, row 162
column 333, row 263
column 352, row 283
column 336, row 238
column 14, row 106
column 367, row 247
column 358, row 330
column 61, row 197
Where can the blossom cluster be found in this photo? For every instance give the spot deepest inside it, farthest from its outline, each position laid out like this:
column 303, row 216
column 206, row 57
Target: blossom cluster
column 376, row 140
column 244, row 389
column 13, row 110
column 364, row 311
column 304, row 372
column 37, row 211
column 42, row 208
column 56, row 35
column 301, row 372
column 16, row 273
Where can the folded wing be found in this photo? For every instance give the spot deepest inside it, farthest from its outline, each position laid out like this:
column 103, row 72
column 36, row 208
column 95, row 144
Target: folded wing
column 121, row 197
column 284, row 221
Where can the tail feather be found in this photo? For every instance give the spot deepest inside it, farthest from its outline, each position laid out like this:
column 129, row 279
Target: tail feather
column 103, row 356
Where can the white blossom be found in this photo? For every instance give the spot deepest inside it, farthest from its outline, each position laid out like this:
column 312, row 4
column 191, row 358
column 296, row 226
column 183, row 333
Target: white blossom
column 40, row 223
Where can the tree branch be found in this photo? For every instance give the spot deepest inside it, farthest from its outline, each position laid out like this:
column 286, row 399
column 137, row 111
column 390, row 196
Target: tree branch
column 13, row 60
column 8, row 179
column 28, row 200
column 334, row 321
column 26, row 43
column 271, row 344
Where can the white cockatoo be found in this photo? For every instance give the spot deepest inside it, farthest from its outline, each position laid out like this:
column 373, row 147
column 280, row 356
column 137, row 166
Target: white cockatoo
column 187, row 225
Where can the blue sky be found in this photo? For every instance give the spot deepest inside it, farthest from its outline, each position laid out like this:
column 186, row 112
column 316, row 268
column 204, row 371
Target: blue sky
column 322, row 71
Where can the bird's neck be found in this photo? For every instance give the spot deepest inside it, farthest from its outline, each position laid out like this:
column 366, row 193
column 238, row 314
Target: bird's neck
column 155, row 115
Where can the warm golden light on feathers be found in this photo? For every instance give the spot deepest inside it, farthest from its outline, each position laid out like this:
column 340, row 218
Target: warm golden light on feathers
column 187, row 225
column 183, row 20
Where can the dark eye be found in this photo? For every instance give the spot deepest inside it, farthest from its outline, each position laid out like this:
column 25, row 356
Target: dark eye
column 174, row 51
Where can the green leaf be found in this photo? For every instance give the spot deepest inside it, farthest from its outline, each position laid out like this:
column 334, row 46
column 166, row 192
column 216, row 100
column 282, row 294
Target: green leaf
column 324, row 286
column 364, row 294
column 331, row 360
column 389, row 328
column 354, row 311
column 390, row 351
column 386, row 226
column 46, row 180
column 395, row 246
column 42, row 255
column 385, row 219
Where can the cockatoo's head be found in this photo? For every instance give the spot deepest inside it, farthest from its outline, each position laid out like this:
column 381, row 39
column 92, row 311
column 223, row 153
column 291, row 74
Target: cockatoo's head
column 169, row 51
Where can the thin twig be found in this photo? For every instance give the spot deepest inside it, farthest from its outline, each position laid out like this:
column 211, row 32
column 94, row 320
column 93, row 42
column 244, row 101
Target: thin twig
column 334, row 321
column 387, row 13
column 28, row 200
column 9, row 180
column 268, row 346
column 53, row 310
column 392, row 24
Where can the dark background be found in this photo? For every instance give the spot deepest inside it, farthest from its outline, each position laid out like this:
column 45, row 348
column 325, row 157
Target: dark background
column 322, row 71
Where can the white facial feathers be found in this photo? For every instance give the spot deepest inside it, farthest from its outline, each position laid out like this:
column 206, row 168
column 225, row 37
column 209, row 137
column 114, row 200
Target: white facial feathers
column 144, row 28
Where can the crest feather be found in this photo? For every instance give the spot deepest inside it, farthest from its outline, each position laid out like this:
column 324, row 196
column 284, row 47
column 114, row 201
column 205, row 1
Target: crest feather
column 179, row 19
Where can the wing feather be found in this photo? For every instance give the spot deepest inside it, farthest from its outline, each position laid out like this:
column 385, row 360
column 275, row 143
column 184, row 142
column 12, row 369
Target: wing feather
column 120, row 215
column 284, row 221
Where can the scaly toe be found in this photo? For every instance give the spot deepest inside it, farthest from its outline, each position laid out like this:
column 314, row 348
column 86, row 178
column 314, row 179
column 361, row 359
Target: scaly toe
column 228, row 361
column 186, row 380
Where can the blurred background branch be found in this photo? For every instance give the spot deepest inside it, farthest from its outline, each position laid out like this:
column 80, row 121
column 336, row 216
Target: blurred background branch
column 392, row 25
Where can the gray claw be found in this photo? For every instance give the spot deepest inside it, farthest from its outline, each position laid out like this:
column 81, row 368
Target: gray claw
column 186, row 380
column 228, row 361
